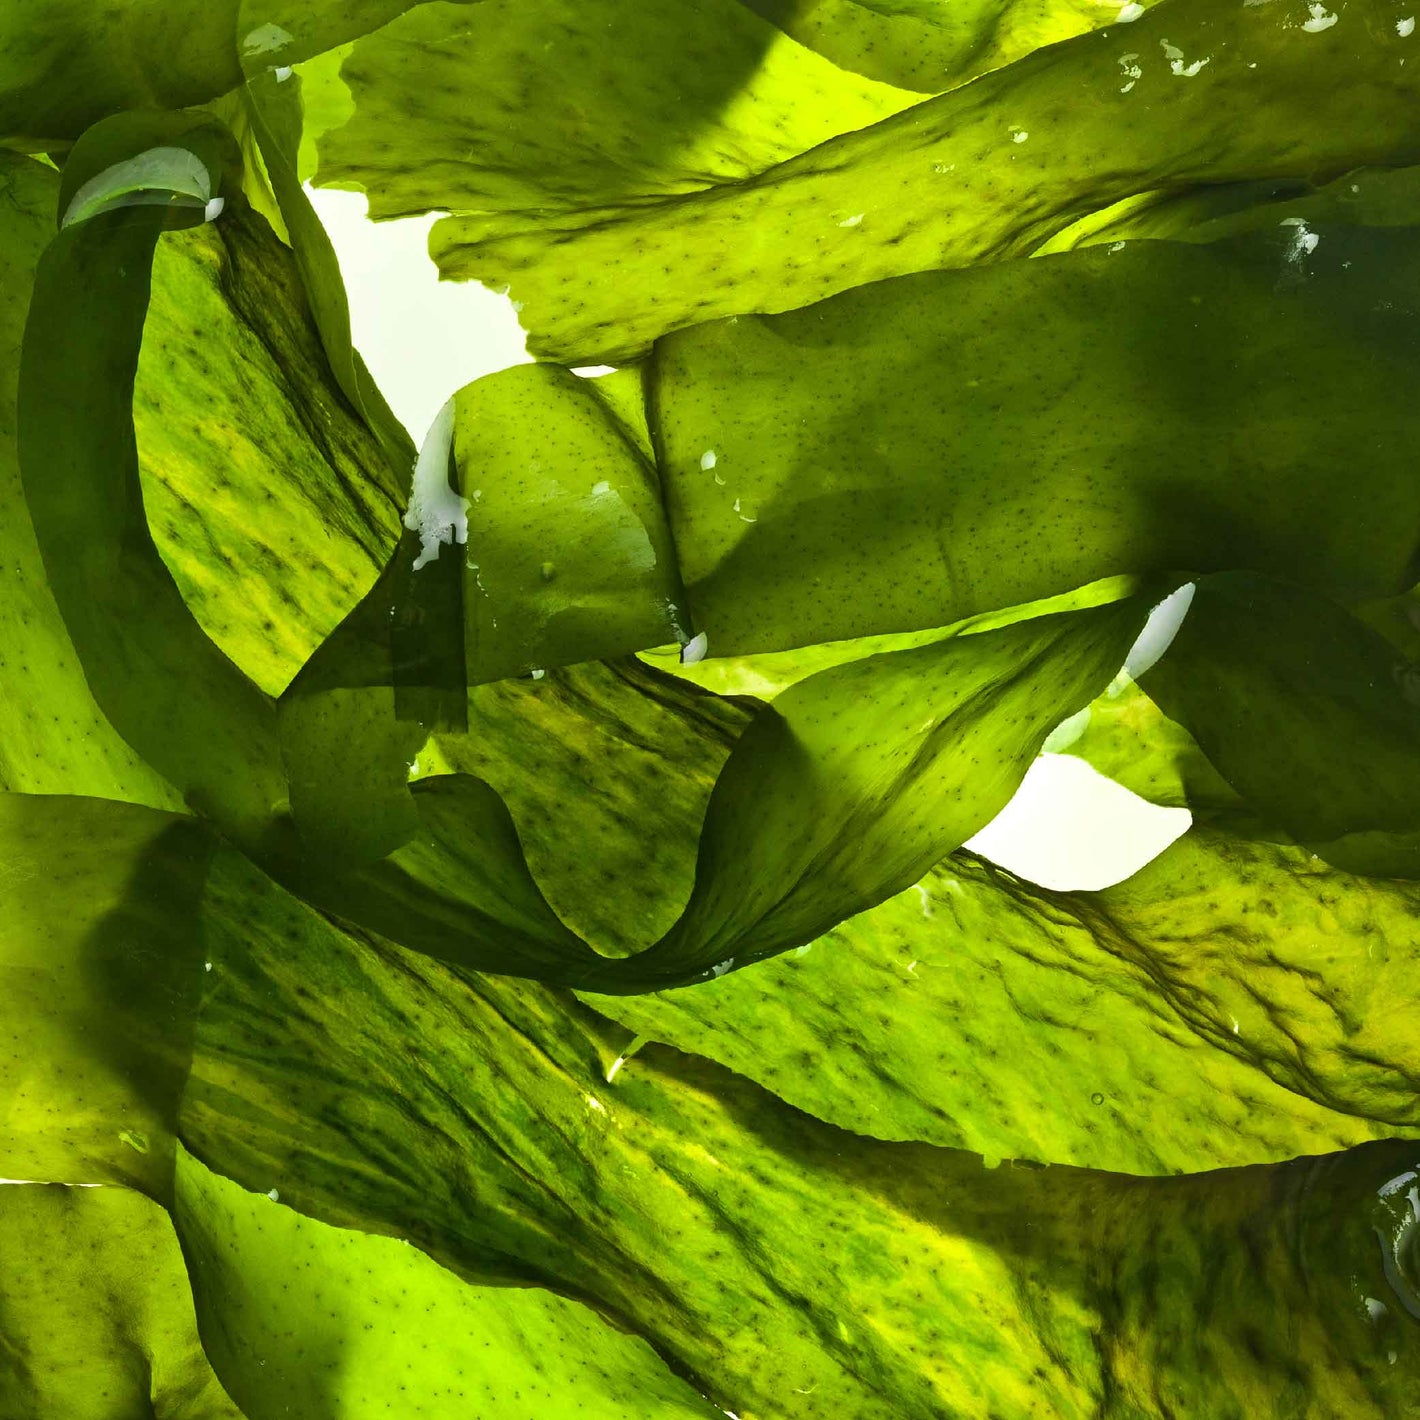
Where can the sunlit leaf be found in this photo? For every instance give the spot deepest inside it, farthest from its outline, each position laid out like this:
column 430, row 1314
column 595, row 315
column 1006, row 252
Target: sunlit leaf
column 786, row 1266
column 302, row 1318
column 1224, row 94
column 1089, row 1028
column 101, row 962
column 96, row 1311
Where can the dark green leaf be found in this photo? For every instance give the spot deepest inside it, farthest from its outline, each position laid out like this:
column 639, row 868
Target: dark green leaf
column 1309, row 714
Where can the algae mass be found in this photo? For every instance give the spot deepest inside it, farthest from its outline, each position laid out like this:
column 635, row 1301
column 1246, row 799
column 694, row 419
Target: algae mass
column 488, row 928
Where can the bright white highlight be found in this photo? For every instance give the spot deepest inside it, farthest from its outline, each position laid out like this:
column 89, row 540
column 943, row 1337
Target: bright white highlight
column 1319, row 21
column 1129, row 14
column 436, row 512
column 1070, row 828
column 694, row 650
column 1159, row 631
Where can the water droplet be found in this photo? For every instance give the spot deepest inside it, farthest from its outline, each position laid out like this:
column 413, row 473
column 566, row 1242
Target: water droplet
column 694, row 650
column 853, row 221
column 1320, row 20
column 1097, row 1098
column 274, row 1195
column 1406, row 27
column 708, row 460
column 1129, row 13
column 135, row 1139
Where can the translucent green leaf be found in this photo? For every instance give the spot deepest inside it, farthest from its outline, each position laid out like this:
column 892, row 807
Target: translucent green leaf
column 53, row 737
column 563, row 113
column 1309, row 714
column 942, row 445
column 101, row 964
column 932, row 45
column 787, row 1267
column 65, row 64
column 96, row 1312
column 304, row 1319
column 1130, row 740
column 1224, row 94
column 1089, row 1028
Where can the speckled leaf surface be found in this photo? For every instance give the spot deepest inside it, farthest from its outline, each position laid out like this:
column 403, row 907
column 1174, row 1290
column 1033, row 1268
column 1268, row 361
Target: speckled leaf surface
column 563, row 114
column 1089, row 1029
column 96, row 1311
column 301, row 1318
column 1186, row 407
column 101, row 964
column 988, row 170
column 379, row 1090
column 932, row 45
column 65, row 64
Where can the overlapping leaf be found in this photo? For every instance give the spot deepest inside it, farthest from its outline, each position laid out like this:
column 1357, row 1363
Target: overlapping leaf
column 379, row 1089
column 1223, row 94
column 101, row 963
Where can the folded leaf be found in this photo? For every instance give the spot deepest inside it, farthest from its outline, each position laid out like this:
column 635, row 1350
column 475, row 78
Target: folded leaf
column 1309, row 714
column 96, row 1312
column 53, row 736
column 304, row 1319
column 787, row 1267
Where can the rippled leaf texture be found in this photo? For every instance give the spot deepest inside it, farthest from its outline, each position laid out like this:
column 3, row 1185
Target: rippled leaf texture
column 304, row 1319
column 1309, row 714
column 932, row 45
column 1089, row 1028
column 65, row 64
column 986, row 171
column 381, row 1090
column 101, row 961
column 96, row 1312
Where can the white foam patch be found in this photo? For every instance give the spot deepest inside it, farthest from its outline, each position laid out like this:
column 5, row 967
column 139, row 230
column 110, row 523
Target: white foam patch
column 1159, row 631
column 436, row 512
column 1070, row 828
